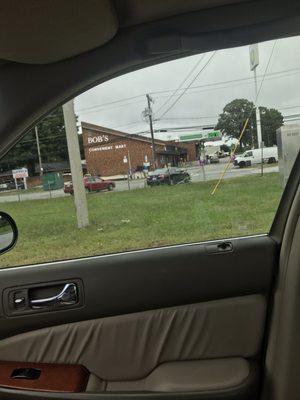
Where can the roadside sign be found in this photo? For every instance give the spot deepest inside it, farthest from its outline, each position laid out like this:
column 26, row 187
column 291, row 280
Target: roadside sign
column 20, row 173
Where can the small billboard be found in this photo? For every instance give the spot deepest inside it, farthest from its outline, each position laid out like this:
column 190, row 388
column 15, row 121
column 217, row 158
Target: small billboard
column 20, row 173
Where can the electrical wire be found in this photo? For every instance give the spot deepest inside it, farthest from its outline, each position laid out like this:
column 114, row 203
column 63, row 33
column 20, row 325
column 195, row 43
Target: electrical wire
column 181, row 84
column 190, row 84
column 267, row 67
column 209, row 86
column 287, row 71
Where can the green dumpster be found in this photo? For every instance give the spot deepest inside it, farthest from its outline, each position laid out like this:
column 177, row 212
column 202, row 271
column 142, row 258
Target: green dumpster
column 52, row 181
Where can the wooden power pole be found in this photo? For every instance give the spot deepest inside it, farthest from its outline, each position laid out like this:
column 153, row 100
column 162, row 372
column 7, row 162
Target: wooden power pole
column 75, row 164
column 149, row 100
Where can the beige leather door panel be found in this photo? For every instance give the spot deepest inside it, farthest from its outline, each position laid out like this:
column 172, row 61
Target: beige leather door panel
column 127, row 351
column 178, row 321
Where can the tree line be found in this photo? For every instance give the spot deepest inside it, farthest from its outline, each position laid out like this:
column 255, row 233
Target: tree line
column 53, row 145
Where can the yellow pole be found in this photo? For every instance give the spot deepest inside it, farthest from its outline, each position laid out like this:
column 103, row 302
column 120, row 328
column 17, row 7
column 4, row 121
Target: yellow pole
column 229, row 161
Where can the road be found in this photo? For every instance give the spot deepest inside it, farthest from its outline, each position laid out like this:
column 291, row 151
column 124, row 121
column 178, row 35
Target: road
column 214, row 171
column 6, row 240
column 211, row 172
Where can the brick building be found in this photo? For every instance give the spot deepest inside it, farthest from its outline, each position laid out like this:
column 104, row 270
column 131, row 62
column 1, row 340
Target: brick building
column 109, row 152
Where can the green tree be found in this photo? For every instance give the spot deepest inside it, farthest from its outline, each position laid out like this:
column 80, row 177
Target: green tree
column 234, row 115
column 271, row 120
column 232, row 120
column 53, row 145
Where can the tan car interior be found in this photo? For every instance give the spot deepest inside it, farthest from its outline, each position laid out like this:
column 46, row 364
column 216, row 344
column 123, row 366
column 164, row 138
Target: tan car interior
column 178, row 322
column 152, row 350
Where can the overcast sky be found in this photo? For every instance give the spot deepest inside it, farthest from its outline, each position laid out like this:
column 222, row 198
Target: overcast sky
column 224, row 76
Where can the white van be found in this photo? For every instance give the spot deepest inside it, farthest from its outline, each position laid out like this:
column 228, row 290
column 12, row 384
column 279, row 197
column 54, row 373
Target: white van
column 250, row 157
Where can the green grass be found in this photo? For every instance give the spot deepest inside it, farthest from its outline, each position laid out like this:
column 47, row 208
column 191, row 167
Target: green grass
column 143, row 218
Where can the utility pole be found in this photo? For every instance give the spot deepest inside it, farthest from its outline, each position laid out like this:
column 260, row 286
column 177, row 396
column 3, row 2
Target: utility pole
column 149, row 100
column 202, row 159
column 257, row 112
column 75, row 164
column 129, row 162
column 254, row 61
column 38, row 149
column 129, row 170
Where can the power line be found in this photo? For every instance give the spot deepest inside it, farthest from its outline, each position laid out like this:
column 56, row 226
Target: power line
column 200, row 117
column 272, row 75
column 266, row 70
column 111, row 102
column 130, row 123
column 188, row 118
column 291, row 116
column 288, row 107
column 239, row 82
column 250, row 78
column 190, row 84
column 110, row 108
column 193, row 90
column 181, row 84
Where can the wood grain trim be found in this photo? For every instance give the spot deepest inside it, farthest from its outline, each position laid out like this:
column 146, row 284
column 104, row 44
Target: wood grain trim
column 53, row 378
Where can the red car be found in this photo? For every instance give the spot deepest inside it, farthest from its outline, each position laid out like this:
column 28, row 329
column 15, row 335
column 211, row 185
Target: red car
column 91, row 184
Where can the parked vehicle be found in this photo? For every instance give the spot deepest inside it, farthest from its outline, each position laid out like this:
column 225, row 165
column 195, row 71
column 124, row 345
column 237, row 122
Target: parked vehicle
column 214, row 159
column 250, row 157
column 91, row 184
column 223, row 154
column 169, row 176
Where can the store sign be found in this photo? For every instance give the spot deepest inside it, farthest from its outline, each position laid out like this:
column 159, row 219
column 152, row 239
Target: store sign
column 106, row 148
column 20, row 173
column 98, row 139
column 204, row 135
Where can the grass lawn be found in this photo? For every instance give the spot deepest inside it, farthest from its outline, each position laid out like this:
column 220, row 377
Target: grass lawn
column 143, row 218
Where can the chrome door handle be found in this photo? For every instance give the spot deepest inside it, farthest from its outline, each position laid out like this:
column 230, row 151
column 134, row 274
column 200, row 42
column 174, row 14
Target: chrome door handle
column 66, row 297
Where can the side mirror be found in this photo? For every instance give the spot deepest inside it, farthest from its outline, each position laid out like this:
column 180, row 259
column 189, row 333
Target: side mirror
column 8, row 232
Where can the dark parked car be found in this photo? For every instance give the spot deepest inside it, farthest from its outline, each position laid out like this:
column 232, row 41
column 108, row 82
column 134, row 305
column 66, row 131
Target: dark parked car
column 12, row 186
column 214, row 159
column 169, row 176
column 91, row 184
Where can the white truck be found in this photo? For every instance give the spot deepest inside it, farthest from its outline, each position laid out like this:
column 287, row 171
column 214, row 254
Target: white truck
column 251, row 157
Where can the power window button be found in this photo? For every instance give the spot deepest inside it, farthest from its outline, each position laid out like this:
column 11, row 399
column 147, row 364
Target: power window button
column 26, row 373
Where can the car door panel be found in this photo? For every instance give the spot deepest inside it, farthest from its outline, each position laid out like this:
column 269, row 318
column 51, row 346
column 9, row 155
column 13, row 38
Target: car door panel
column 180, row 319
column 147, row 279
column 130, row 346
